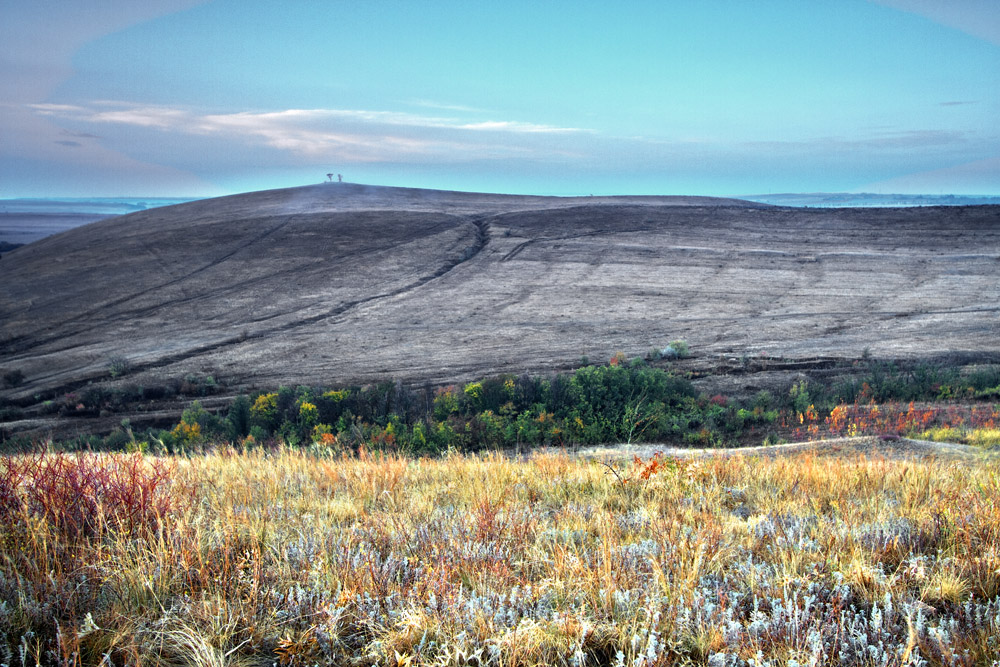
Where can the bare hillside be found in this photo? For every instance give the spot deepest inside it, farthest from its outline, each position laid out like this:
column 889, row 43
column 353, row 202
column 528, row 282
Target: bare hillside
column 344, row 283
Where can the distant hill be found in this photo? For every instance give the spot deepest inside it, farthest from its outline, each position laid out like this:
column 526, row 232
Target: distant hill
column 836, row 200
column 25, row 220
column 339, row 283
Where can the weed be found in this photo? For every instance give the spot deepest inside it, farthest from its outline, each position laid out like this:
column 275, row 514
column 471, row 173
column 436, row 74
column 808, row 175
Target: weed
column 119, row 366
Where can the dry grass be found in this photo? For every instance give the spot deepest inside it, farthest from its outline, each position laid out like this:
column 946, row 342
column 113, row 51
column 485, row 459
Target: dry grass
column 263, row 558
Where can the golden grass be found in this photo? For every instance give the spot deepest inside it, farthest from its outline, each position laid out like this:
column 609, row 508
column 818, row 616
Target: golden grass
column 987, row 438
column 280, row 557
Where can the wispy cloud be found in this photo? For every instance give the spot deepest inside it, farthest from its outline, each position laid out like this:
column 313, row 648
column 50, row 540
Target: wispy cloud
column 430, row 104
column 877, row 142
column 57, row 109
column 978, row 18
column 862, row 148
column 355, row 134
column 958, row 103
column 79, row 135
column 976, row 177
column 513, row 126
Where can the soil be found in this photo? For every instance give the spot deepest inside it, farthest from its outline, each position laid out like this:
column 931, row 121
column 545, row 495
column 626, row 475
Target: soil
column 346, row 284
column 866, row 446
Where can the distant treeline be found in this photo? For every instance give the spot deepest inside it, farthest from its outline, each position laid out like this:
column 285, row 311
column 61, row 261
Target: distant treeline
column 623, row 401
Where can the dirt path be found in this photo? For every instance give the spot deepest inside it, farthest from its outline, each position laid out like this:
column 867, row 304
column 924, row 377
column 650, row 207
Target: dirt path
column 896, row 448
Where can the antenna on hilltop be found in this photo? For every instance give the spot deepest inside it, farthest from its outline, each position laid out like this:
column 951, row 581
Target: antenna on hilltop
column 329, row 177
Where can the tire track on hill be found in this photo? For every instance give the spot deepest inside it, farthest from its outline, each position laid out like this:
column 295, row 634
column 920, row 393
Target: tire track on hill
column 481, row 239
column 13, row 347
column 244, row 285
column 570, row 237
column 12, row 344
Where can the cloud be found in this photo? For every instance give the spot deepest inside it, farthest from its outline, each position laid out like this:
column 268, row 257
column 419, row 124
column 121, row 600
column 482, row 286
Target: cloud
column 231, row 144
column 429, row 104
column 350, row 134
column 510, row 126
column 979, row 177
column 39, row 39
column 958, row 103
column 79, row 135
column 56, row 109
column 906, row 140
column 978, row 18
column 875, row 143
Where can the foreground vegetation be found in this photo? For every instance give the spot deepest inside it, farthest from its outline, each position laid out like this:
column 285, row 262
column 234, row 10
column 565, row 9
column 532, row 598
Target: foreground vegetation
column 258, row 556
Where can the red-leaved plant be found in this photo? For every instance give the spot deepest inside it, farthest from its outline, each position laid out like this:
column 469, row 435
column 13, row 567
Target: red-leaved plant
column 81, row 496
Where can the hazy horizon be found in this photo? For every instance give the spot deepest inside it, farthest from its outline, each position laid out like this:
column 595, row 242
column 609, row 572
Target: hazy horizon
column 214, row 97
column 149, row 201
column 180, row 197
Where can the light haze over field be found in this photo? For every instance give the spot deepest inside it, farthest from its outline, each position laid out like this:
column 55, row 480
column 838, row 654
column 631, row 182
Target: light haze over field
column 181, row 97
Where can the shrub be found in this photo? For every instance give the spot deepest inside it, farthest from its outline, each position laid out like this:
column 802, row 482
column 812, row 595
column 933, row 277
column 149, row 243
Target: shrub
column 763, row 400
column 80, row 496
column 13, row 378
column 885, row 381
column 445, row 402
column 198, row 385
column 186, row 434
column 308, row 416
column 10, row 413
column 264, row 412
column 676, row 349
column 331, row 405
column 239, row 417
column 474, row 394
column 985, row 382
column 257, row 434
column 209, row 425
column 680, row 348
column 799, row 397
column 119, row 366
column 287, row 404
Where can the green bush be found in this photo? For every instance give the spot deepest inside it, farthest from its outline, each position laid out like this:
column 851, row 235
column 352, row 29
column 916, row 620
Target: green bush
column 239, row 417
column 680, row 348
column 264, row 412
column 119, row 366
column 799, row 396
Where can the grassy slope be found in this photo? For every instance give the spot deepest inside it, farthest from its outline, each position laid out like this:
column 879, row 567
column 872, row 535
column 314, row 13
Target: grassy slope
column 286, row 558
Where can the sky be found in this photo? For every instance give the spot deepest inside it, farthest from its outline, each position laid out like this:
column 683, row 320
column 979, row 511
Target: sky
column 564, row 97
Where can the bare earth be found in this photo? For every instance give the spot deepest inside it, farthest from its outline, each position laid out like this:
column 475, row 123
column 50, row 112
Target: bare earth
column 342, row 283
column 867, row 446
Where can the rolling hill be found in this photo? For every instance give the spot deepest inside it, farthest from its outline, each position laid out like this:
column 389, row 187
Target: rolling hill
column 340, row 283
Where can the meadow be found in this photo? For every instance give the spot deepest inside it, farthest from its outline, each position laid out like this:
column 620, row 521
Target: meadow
column 261, row 556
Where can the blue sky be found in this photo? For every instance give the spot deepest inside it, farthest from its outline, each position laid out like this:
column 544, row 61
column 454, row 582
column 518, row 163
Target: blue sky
column 717, row 97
